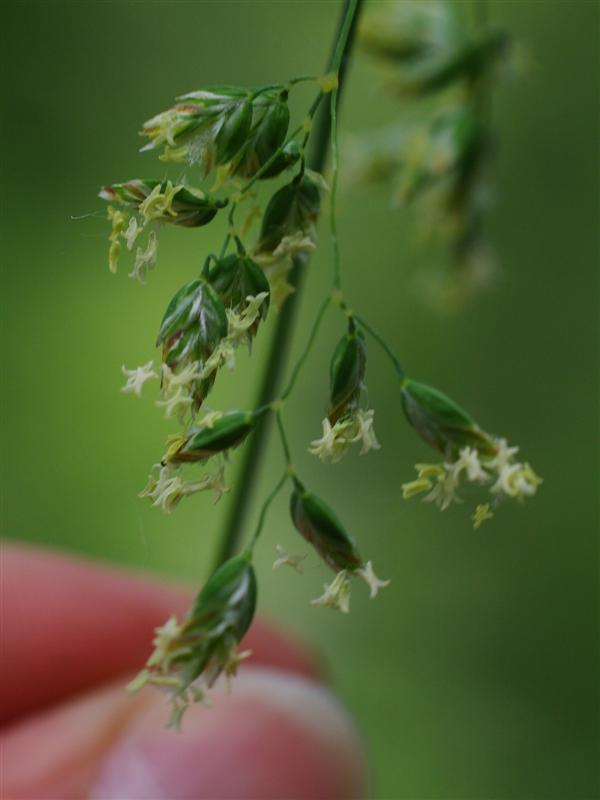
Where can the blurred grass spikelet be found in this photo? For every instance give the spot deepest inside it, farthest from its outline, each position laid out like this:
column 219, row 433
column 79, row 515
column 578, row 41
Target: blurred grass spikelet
column 440, row 158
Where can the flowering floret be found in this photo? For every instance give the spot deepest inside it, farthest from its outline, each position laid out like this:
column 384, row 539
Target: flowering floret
column 336, row 594
column 441, row 482
column 169, row 489
column 278, row 264
column 337, row 438
column 136, row 378
column 155, row 202
column 287, row 559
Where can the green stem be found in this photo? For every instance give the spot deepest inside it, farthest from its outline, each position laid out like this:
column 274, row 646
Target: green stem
column 337, row 278
column 282, row 334
column 284, row 443
column 304, row 355
column 481, row 12
column 230, row 230
column 280, row 86
column 263, row 512
column 383, row 344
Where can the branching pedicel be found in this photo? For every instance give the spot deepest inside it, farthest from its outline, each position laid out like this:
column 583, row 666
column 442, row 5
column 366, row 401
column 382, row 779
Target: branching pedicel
column 241, row 136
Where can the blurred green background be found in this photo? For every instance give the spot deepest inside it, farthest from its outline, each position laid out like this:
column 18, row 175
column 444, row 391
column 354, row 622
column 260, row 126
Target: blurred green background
column 475, row 674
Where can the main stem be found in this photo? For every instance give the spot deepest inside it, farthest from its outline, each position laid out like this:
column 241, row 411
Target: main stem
column 281, row 339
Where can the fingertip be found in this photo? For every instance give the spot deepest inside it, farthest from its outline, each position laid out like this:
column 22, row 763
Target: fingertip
column 276, row 736
column 92, row 623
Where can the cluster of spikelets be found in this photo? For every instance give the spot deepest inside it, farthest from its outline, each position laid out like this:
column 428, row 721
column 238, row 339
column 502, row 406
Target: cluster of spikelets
column 240, row 135
column 189, row 656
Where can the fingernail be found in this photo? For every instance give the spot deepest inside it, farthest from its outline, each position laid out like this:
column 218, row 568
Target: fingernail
column 275, row 736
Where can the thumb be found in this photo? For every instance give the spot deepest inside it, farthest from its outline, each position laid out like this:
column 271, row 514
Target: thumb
column 276, row 736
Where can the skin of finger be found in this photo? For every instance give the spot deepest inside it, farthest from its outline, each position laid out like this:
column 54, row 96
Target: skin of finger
column 54, row 755
column 277, row 735
column 69, row 625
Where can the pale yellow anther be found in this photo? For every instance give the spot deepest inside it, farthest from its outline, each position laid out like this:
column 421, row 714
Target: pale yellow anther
column 159, row 203
column 119, row 223
column 481, row 514
column 430, row 470
column 337, row 439
column 175, row 154
column 416, row 487
column 114, row 252
column 174, row 443
column 532, row 477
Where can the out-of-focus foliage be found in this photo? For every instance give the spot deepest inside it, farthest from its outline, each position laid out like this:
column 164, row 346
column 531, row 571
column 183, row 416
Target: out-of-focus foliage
column 445, row 67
